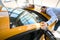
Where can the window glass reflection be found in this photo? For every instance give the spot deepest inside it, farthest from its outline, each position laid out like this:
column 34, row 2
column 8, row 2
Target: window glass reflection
column 18, row 11
column 24, row 17
column 14, row 15
column 27, row 18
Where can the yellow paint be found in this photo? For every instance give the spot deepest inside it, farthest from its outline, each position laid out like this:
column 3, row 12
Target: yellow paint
column 6, row 32
column 30, row 8
column 45, row 15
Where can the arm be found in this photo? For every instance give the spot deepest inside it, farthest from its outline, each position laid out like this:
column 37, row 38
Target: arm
column 53, row 16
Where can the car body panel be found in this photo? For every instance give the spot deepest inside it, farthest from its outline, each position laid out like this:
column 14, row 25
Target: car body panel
column 6, row 32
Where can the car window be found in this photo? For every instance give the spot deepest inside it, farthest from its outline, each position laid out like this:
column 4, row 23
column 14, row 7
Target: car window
column 20, row 17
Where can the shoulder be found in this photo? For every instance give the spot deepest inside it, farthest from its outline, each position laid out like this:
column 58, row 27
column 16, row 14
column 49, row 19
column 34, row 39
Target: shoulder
column 49, row 9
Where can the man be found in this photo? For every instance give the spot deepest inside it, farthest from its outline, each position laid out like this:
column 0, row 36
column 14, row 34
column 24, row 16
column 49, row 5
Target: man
column 18, row 3
column 54, row 13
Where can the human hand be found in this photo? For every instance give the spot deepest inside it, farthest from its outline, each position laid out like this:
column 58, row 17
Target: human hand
column 43, row 25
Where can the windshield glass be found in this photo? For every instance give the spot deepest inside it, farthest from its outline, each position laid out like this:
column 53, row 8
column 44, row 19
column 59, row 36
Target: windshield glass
column 19, row 17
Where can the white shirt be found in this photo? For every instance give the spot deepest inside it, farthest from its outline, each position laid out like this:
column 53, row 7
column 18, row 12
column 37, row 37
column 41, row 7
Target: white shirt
column 54, row 13
column 24, row 3
column 18, row 3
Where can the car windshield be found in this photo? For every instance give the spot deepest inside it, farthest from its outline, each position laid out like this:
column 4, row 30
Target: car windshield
column 19, row 17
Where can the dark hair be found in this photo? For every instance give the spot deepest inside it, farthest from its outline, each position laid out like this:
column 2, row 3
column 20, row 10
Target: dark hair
column 43, row 7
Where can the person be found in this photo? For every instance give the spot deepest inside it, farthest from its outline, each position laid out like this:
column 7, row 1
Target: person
column 17, row 3
column 54, row 13
column 25, row 3
column 25, row 6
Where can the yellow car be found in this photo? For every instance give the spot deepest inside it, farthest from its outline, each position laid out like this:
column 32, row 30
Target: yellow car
column 20, row 24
